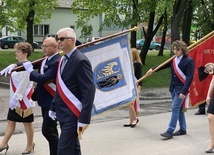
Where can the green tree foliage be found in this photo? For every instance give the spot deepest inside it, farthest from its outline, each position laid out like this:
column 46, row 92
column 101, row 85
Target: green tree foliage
column 204, row 16
column 117, row 13
column 123, row 14
column 127, row 13
column 24, row 13
column 4, row 15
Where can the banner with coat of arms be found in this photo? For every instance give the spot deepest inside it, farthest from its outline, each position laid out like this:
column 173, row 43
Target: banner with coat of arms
column 113, row 74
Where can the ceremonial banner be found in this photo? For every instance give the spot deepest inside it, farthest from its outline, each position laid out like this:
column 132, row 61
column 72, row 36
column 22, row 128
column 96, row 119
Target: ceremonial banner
column 113, row 74
column 202, row 54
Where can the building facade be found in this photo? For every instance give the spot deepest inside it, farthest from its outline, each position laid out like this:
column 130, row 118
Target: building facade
column 62, row 16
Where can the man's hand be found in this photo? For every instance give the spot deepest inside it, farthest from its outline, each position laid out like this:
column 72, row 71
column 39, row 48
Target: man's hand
column 52, row 114
column 28, row 66
column 81, row 128
column 12, row 103
column 8, row 69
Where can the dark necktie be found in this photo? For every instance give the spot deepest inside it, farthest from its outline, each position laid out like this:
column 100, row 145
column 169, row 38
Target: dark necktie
column 64, row 61
column 46, row 61
column 45, row 67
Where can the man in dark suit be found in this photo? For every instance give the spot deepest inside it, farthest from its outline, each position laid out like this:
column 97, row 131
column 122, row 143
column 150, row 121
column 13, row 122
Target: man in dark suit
column 74, row 93
column 45, row 89
column 182, row 70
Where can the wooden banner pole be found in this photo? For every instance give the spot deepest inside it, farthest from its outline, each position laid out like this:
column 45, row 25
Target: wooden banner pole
column 170, row 59
column 84, row 45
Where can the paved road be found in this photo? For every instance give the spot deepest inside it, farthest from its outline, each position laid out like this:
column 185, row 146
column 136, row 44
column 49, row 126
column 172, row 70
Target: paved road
column 148, row 107
column 106, row 136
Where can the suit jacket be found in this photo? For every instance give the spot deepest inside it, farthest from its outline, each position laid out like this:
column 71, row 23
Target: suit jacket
column 186, row 65
column 44, row 98
column 78, row 78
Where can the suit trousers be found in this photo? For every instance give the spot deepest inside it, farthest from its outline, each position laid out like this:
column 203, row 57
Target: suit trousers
column 177, row 113
column 68, row 141
column 49, row 131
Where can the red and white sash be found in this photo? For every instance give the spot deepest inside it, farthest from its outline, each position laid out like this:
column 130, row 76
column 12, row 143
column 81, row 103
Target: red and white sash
column 68, row 97
column 182, row 78
column 178, row 72
column 25, row 102
column 50, row 87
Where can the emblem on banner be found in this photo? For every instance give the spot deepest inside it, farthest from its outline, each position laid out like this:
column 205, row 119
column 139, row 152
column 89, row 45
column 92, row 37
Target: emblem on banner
column 108, row 75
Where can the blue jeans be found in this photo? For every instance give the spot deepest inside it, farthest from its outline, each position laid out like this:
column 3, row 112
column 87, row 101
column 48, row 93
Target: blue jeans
column 177, row 113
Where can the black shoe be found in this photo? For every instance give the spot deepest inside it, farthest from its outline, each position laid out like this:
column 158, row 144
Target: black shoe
column 133, row 125
column 200, row 113
column 179, row 133
column 167, row 135
column 127, row 125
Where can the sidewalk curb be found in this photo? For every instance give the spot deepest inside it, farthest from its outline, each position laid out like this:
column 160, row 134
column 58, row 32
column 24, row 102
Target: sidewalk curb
column 5, row 84
column 149, row 96
column 154, row 98
column 142, row 97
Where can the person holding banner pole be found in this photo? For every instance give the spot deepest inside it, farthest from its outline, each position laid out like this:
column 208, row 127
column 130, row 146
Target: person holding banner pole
column 45, row 89
column 75, row 91
column 20, row 104
column 182, row 73
column 210, row 102
column 134, row 108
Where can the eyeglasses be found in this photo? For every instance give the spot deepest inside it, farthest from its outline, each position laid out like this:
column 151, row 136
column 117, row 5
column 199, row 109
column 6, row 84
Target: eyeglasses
column 63, row 38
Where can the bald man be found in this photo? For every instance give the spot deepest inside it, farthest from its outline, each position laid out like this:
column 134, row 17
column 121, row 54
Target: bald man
column 45, row 89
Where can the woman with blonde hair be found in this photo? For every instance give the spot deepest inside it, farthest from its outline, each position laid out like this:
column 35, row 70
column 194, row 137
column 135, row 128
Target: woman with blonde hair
column 135, row 106
column 20, row 104
column 209, row 68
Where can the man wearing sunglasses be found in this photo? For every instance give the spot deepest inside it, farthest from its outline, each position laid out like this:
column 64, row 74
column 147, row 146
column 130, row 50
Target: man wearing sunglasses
column 75, row 92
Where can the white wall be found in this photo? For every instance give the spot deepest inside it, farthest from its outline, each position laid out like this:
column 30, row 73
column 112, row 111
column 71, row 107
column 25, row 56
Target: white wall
column 63, row 17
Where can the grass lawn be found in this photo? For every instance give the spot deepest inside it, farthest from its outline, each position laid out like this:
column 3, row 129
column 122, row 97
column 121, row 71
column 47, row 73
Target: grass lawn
column 157, row 79
column 8, row 56
column 160, row 78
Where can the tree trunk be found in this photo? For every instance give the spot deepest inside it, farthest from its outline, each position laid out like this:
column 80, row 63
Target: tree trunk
column 150, row 33
column 134, row 15
column 178, row 10
column 187, row 21
column 148, row 38
column 160, row 53
column 30, row 21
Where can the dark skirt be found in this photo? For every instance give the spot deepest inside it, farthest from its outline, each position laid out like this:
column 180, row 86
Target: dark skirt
column 13, row 116
column 211, row 106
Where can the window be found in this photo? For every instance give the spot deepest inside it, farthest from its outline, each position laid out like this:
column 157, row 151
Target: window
column 41, row 30
column 19, row 39
column 9, row 38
